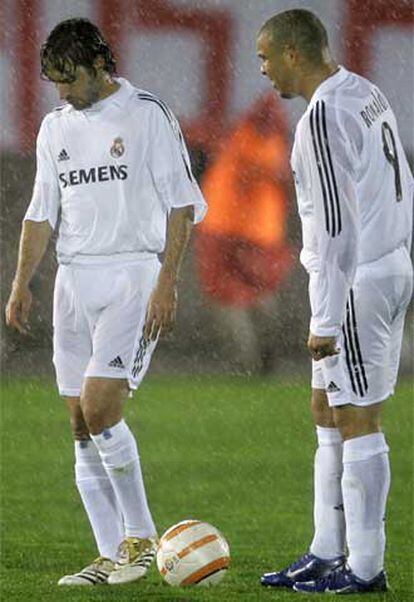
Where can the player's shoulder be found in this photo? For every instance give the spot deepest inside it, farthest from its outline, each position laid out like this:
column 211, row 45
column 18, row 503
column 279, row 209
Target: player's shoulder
column 56, row 114
column 51, row 120
column 349, row 96
column 336, row 102
column 152, row 105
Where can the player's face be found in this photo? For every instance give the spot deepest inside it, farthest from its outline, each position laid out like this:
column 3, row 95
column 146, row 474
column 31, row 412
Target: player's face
column 275, row 67
column 82, row 91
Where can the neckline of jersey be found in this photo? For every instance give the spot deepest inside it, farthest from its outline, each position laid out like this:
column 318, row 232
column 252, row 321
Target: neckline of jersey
column 330, row 82
column 116, row 97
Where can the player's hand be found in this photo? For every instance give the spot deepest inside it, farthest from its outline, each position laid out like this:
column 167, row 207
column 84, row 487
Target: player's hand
column 18, row 308
column 320, row 347
column 162, row 309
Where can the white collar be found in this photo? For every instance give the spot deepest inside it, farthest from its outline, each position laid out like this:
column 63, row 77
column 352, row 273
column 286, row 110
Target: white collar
column 329, row 83
column 117, row 98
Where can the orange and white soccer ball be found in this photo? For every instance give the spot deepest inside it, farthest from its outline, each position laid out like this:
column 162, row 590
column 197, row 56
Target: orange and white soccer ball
column 193, row 553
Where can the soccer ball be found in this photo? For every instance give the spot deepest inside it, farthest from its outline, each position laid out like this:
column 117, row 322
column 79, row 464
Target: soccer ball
column 193, row 553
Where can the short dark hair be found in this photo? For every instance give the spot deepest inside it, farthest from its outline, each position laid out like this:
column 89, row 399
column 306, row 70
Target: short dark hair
column 72, row 43
column 300, row 28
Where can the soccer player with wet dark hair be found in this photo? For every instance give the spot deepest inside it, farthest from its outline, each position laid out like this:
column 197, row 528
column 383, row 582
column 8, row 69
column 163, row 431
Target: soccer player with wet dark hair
column 354, row 191
column 73, row 43
column 73, row 47
column 114, row 172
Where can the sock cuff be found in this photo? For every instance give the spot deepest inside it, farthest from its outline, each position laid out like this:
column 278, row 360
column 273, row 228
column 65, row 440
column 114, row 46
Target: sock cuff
column 328, row 436
column 363, row 448
column 117, row 446
column 110, row 436
column 86, row 452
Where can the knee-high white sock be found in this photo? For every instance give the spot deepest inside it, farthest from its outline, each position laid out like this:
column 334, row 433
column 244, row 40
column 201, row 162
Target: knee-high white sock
column 329, row 537
column 98, row 498
column 365, row 486
column 119, row 453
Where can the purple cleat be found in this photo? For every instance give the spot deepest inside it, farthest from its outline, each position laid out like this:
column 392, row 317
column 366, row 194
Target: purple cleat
column 343, row 581
column 307, row 568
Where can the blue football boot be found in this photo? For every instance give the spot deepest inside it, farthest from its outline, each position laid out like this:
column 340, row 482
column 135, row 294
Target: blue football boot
column 307, row 568
column 343, row 581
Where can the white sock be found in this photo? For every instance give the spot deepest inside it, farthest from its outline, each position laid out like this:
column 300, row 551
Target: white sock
column 329, row 538
column 119, row 453
column 98, row 498
column 365, row 485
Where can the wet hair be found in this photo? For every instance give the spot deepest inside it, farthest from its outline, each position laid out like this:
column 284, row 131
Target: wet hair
column 73, row 43
column 298, row 28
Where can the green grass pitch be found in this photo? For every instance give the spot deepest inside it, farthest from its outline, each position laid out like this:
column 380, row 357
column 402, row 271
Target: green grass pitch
column 234, row 452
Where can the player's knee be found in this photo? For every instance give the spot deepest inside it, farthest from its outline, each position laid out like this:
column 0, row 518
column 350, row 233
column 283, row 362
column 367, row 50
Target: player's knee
column 79, row 430
column 102, row 404
column 344, row 424
column 353, row 421
column 77, row 422
column 94, row 414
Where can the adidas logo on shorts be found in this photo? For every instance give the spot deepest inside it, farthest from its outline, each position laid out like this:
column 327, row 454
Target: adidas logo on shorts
column 332, row 387
column 63, row 155
column 116, row 363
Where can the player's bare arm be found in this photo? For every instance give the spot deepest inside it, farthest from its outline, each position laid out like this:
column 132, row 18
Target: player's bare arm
column 33, row 243
column 320, row 347
column 163, row 302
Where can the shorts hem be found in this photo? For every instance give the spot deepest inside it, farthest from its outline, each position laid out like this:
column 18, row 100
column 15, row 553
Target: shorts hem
column 365, row 402
column 121, row 375
column 64, row 392
column 318, row 386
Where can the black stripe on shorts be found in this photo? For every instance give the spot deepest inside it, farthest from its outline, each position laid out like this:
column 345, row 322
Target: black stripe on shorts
column 353, row 355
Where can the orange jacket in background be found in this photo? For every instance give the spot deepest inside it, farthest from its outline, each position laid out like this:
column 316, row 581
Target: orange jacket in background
column 241, row 247
column 245, row 187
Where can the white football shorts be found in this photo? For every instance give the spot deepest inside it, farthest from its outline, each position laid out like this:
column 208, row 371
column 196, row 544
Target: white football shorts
column 98, row 319
column 365, row 371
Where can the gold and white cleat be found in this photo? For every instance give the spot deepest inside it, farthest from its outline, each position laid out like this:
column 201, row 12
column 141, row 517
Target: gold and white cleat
column 96, row 573
column 135, row 556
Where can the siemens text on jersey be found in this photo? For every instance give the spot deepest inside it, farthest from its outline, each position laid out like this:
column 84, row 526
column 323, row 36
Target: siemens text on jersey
column 101, row 173
column 374, row 109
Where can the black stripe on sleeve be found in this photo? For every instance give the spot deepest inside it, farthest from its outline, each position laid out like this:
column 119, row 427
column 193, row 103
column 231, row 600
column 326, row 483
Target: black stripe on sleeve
column 326, row 171
column 318, row 163
column 335, row 188
column 172, row 121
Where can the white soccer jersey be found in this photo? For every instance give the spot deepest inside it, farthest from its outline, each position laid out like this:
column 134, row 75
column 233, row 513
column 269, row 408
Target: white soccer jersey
column 354, row 189
column 112, row 173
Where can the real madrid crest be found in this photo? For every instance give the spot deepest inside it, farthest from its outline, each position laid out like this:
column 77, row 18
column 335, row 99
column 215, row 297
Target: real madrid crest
column 117, row 148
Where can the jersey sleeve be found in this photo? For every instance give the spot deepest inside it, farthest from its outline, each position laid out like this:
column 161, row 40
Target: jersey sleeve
column 170, row 164
column 332, row 168
column 45, row 201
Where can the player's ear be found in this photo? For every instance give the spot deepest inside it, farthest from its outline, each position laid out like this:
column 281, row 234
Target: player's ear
column 99, row 63
column 290, row 55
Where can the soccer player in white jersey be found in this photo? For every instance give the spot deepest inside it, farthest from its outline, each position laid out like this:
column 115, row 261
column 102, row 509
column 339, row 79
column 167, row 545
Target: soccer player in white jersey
column 354, row 193
column 114, row 173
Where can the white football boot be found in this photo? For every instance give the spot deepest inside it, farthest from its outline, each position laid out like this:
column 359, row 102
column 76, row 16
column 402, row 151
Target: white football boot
column 96, row 573
column 135, row 556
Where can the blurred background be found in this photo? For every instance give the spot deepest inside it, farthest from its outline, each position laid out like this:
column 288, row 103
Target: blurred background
column 243, row 295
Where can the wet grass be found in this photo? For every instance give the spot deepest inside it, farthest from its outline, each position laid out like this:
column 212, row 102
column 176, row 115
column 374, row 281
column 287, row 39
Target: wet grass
column 234, row 452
